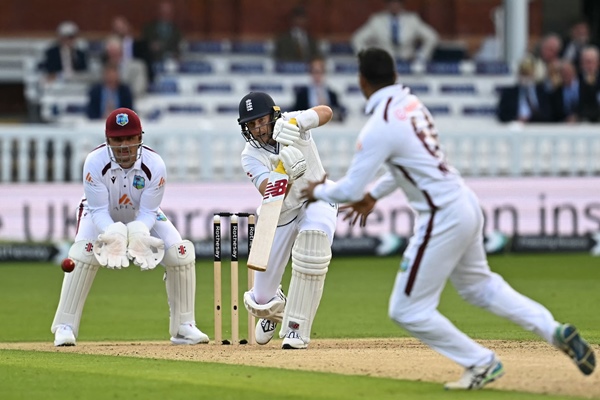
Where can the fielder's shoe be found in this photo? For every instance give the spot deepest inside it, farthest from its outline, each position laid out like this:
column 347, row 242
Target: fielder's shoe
column 189, row 334
column 265, row 329
column 477, row 377
column 568, row 340
column 293, row 341
column 64, row 336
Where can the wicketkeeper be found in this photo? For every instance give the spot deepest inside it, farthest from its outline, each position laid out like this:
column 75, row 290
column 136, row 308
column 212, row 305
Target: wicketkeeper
column 304, row 233
column 119, row 220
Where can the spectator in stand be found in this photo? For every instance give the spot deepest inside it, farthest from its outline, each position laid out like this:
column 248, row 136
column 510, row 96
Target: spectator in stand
column 132, row 48
column 549, row 52
column 106, row 96
column 317, row 92
column 403, row 34
column 565, row 99
column 579, row 38
column 132, row 72
column 527, row 101
column 589, row 85
column 162, row 35
column 296, row 44
column 64, row 59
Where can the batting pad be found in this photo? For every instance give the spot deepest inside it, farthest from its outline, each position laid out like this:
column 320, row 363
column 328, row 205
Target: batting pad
column 76, row 286
column 180, row 280
column 311, row 255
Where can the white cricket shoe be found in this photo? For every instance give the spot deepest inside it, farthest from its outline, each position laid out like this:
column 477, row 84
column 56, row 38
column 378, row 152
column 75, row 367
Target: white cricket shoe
column 189, row 334
column 293, row 341
column 265, row 329
column 64, row 336
column 477, row 377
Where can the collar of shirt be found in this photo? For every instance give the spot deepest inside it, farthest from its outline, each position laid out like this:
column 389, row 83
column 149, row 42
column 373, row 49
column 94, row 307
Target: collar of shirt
column 383, row 93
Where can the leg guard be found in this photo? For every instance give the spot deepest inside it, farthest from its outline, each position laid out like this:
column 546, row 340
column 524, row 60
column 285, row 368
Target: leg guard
column 76, row 286
column 272, row 311
column 311, row 255
column 180, row 279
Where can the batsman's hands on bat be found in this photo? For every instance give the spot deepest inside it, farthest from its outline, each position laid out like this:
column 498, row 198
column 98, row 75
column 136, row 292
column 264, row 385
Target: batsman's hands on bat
column 110, row 249
column 293, row 161
column 307, row 193
column 144, row 250
column 360, row 209
column 286, row 132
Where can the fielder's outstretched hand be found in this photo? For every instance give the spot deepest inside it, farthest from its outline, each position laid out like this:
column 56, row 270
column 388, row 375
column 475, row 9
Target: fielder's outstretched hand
column 360, row 209
column 110, row 249
column 144, row 250
column 308, row 192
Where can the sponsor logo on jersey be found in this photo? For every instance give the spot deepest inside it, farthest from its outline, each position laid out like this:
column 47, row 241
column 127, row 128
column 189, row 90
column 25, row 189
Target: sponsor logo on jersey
column 125, row 201
column 122, row 119
column 161, row 216
column 161, row 182
column 139, row 182
column 88, row 178
column 113, row 179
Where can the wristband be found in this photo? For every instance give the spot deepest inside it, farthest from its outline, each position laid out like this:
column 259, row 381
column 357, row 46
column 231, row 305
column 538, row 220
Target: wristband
column 307, row 120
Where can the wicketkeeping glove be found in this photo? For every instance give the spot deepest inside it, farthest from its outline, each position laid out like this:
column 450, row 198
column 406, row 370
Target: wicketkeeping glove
column 286, row 132
column 293, row 161
column 110, row 249
column 144, row 250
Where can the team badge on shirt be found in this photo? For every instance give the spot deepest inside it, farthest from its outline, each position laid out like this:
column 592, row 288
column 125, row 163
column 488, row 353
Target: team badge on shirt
column 122, row 119
column 139, row 182
column 404, row 264
column 160, row 216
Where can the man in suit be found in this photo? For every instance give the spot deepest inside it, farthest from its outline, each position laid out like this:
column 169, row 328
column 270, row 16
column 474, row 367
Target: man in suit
column 402, row 34
column 132, row 71
column 527, row 101
column 64, row 59
column 589, row 84
column 162, row 35
column 108, row 95
column 296, row 44
column 565, row 99
column 132, row 48
column 317, row 92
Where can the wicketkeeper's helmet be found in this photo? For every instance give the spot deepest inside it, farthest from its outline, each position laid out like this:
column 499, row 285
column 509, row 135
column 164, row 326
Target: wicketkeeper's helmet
column 123, row 122
column 253, row 106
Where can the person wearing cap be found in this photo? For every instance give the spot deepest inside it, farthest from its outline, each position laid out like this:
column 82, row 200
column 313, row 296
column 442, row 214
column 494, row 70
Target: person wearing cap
column 64, row 58
column 304, row 233
column 119, row 221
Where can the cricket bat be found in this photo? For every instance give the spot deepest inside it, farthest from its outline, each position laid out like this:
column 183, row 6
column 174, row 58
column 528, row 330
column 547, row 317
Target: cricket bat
column 269, row 216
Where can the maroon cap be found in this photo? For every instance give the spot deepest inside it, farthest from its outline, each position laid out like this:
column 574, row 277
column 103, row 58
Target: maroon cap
column 123, row 122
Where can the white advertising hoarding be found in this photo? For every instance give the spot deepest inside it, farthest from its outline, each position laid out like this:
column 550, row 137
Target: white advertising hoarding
column 526, row 206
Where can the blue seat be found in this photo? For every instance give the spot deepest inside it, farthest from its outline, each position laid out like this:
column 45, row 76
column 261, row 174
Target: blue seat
column 403, row 67
column 214, row 88
column 479, row 111
column 443, row 68
column 185, row 109
column 255, row 67
column 465, row 88
column 342, row 67
column 195, row 67
column 492, row 68
column 206, row 46
column 340, row 48
column 243, row 47
column 227, row 109
column 285, row 67
column 76, row 108
column 418, row 88
column 266, row 87
column 164, row 87
column 438, row 109
column 353, row 89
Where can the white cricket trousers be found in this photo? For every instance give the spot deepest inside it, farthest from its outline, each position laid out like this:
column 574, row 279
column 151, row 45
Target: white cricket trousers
column 318, row 216
column 448, row 244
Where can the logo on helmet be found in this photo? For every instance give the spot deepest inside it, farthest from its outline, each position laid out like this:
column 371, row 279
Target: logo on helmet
column 122, row 119
column 249, row 106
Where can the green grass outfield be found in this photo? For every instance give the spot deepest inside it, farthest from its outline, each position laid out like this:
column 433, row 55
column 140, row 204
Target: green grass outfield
column 131, row 305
